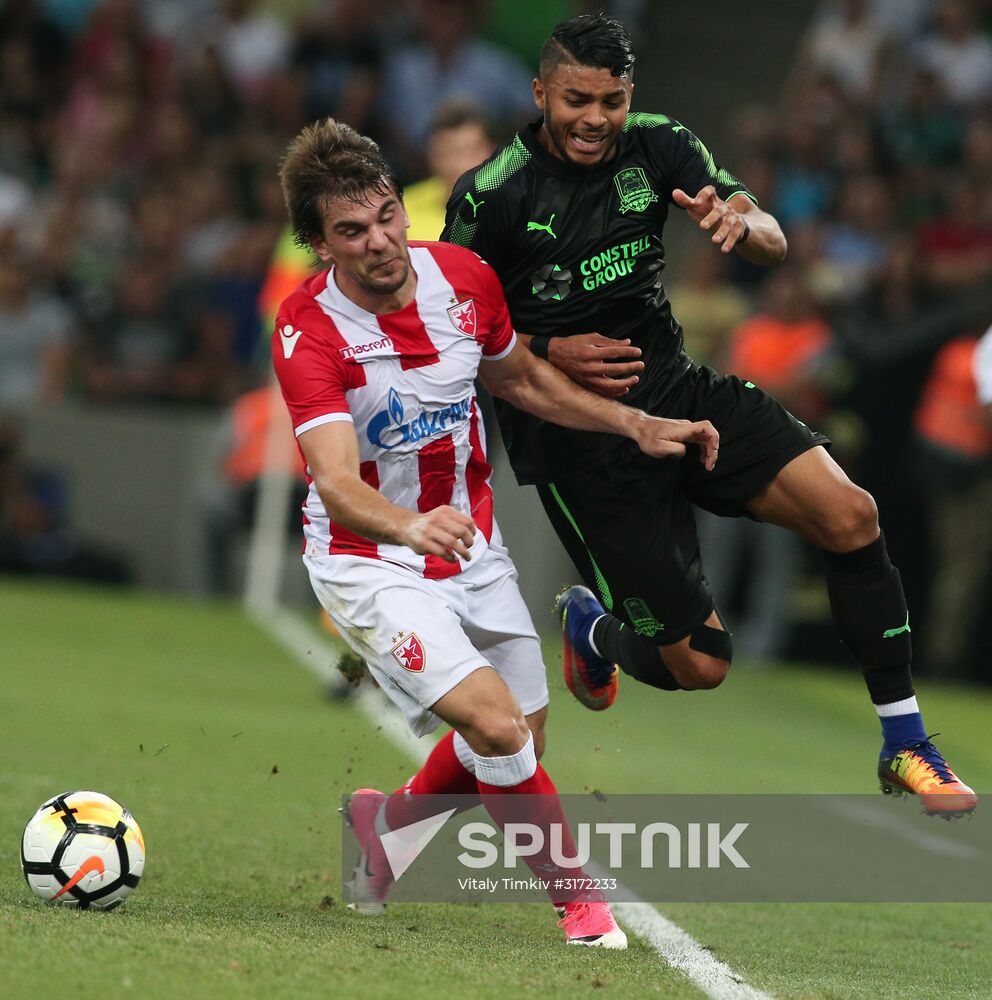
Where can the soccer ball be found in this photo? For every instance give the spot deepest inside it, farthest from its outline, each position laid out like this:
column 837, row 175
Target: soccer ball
column 83, row 849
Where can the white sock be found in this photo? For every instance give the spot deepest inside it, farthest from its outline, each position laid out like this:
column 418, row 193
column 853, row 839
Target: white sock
column 907, row 706
column 510, row 770
column 464, row 753
column 592, row 643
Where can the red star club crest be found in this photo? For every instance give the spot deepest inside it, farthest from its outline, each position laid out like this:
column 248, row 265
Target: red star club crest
column 463, row 316
column 409, row 654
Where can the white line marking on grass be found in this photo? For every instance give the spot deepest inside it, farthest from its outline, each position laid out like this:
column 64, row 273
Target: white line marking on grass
column 684, row 953
column 312, row 650
column 874, row 816
column 678, row 948
column 379, row 710
column 300, row 639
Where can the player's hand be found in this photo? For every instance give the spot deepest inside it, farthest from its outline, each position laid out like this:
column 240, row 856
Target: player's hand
column 663, row 438
column 604, row 366
column 713, row 213
column 443, row 532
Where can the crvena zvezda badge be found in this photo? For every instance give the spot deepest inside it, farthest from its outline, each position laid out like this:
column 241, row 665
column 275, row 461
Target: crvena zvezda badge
column 409, row 653
column 463, row 316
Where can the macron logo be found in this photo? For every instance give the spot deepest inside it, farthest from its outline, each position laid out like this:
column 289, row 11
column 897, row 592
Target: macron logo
column 403, row 846
column 289, row 338
column 383, row 346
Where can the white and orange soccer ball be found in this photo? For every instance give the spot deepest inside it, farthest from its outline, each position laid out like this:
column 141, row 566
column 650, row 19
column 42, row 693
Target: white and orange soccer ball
column 83, row 849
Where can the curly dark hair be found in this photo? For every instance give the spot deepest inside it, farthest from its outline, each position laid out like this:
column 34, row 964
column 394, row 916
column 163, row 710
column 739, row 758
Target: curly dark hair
column 589, row 40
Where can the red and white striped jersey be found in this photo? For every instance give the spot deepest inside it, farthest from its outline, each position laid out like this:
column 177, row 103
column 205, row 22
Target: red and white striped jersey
column 406, row 381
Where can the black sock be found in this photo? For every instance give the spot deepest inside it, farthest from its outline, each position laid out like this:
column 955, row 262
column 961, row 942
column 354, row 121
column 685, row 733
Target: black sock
column 871, row 618
column 636, row 654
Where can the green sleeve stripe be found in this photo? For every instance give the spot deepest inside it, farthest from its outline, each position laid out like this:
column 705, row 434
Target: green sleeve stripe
column 640, row 119
column 604, row 590
column 498, row 171
column 721, row 176
column 747, row 194
column 462, row 233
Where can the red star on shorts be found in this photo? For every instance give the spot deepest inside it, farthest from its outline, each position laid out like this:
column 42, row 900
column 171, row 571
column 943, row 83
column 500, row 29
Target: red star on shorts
column 409, row 654
column 412, row 658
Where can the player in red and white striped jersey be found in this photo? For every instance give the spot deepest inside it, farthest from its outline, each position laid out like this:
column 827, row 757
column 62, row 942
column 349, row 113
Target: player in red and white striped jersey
column 377, row 358
column 405, row 380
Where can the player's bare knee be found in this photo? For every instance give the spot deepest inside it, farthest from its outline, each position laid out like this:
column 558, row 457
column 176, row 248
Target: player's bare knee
column 497, row 734
column 536, row 722
column 711, row 672
column 699, row 672
column 854, row 523
column 538, row 742
column 700, row 661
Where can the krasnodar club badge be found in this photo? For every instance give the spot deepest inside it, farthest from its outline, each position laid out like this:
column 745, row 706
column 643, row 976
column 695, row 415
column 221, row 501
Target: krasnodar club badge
column 634, row 190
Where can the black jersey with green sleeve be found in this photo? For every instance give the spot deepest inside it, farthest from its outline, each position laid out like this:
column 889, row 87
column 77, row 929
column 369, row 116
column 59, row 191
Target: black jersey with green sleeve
column 579, row 250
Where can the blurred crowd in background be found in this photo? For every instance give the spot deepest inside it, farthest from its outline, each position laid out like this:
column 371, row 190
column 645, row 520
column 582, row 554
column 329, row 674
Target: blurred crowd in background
column 877, row 160
column 140, row 210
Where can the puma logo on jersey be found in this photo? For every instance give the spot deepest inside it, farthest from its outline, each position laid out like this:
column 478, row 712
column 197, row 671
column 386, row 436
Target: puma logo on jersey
column 289, row 338
column 544, row 227
column 476, row 205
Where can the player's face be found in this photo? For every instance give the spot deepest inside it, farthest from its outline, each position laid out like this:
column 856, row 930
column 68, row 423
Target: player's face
column 584, row 111
column 366, row 242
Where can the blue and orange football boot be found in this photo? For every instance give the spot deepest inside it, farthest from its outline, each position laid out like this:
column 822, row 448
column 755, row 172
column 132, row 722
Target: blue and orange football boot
column 919, row 769
column 593, row 680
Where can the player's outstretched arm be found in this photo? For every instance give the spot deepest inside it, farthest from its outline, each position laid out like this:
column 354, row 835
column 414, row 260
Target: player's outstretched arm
column 534, row 385
column 331, row 451
column 736, row 224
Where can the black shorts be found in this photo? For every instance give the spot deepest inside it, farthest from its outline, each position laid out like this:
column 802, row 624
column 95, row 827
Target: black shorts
column 629, row 527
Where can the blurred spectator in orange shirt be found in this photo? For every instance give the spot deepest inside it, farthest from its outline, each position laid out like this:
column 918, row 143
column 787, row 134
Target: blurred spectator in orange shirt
column 783, row 349
column 954, row 430
column 256, row 436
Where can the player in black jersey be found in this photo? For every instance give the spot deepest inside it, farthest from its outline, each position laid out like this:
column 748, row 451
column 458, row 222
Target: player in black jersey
column 570, row 213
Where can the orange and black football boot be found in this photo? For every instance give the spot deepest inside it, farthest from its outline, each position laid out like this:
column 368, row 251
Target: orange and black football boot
column 919, row 769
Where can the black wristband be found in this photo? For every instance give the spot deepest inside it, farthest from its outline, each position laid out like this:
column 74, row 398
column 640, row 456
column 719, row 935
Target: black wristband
column 743, row 237
column 539, row 346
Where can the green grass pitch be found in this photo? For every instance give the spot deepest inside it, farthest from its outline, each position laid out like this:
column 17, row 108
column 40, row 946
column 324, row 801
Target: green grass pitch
column 233, row 763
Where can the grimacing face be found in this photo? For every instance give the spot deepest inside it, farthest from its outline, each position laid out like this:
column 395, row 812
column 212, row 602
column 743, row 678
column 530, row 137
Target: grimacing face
column 584, row 111
column 366, row 242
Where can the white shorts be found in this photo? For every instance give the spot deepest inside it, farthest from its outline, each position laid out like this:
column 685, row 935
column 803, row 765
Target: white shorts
column 422, row 637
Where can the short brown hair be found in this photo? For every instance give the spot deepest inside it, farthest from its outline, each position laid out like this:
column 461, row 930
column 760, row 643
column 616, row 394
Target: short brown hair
column 329, row 160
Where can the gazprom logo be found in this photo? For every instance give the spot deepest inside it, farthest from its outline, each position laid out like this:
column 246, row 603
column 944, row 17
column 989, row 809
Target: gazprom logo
column 389, row 428
column 395, row 407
